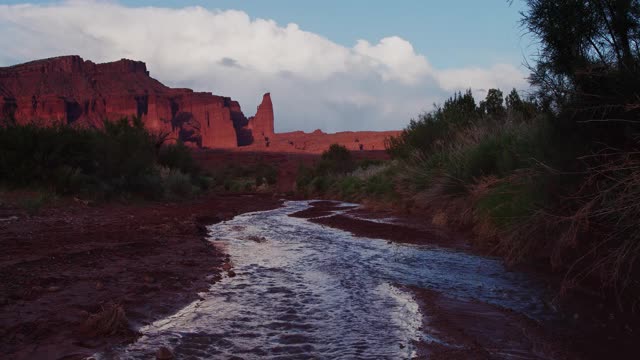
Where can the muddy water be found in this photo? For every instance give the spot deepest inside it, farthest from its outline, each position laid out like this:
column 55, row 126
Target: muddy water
column 303, row 290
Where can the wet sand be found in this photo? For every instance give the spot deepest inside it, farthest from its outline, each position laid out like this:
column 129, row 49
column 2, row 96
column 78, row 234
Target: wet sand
column 70, row 261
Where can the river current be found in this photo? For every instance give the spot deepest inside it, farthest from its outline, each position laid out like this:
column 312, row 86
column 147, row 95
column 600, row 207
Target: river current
column 304, row 290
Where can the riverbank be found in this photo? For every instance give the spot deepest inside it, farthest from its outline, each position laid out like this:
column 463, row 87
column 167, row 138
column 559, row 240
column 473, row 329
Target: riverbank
column 585, row 328
column 69, row 266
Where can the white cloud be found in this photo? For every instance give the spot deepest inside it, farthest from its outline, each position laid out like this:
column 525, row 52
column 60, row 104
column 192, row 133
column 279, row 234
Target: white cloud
column 504, row 76
column 315, row 83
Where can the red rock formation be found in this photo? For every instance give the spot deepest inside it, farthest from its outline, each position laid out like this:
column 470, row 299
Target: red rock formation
column 71, row 90
column 318, row 141
column 261, row 125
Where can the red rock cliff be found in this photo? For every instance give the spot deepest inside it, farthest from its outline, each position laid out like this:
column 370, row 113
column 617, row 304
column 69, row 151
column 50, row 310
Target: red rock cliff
column 71, row 90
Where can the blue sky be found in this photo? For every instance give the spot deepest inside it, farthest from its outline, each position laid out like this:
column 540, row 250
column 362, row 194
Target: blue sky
column 452, row 33
column 443, row 45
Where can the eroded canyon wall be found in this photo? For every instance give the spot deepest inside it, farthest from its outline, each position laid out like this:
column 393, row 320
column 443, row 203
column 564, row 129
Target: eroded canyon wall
column 74, row 91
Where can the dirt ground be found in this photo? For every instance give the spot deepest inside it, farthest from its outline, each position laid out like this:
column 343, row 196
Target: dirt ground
column 70, row 274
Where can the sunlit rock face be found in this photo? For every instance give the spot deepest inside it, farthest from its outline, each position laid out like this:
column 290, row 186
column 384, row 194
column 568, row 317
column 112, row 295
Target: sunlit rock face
column 71, row 90
column 74, row 91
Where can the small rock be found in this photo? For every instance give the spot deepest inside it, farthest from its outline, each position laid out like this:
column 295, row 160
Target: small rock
column 231, row 273
column 164, row 354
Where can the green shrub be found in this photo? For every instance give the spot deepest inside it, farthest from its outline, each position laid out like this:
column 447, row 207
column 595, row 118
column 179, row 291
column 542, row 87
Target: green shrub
column 320, row 184
column 178, row 184
column 120, row 159
column 348, row 187
column 510, row 202
column 178, row 156
column 304, row 177
column 336, row 160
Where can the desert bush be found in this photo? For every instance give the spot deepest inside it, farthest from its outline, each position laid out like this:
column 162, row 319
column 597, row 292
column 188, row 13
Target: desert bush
column 119, row 159
column 369, row 180
column 178, row 156
column 336, row 160
column 177, row 184
column 110, row 320
column 242, row 178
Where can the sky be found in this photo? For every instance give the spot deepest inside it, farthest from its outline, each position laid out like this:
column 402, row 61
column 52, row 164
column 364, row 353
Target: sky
column 330, row 65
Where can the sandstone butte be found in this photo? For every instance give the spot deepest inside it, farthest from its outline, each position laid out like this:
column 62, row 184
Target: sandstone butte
column 77, row 92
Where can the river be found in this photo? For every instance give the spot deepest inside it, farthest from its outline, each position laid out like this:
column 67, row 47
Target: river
column 303, row 290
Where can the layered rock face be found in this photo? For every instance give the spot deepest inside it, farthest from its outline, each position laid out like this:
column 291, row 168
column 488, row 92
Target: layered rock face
column 73, row 91
column 78, row 92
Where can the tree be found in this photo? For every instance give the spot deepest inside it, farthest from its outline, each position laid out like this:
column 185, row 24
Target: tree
column 513, row 101
column 493, row 104
column 588, row 67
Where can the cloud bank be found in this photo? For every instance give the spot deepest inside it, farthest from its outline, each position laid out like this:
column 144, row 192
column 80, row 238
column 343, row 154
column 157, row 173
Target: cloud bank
column 315, row 83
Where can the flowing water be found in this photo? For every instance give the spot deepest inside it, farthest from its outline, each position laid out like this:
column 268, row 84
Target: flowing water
column 305, row 290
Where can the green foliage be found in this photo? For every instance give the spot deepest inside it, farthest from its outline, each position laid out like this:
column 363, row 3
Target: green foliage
column 510, row 202
column 178, row 156
column 266, row 174
column 588, row 69
column 119, row 159
column 336, row 160
column 177, row 184
column 513, row 101
column 366, row 163
column 243, row 178
column 493, row 103
column 304, row 177
column 371, row 179
column 434, row 128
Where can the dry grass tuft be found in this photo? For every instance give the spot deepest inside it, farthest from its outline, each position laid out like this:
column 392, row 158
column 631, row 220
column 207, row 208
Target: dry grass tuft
column 109, row 321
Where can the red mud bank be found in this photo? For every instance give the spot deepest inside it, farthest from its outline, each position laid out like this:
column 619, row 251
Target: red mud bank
column 470, row 330
column 67, row 263
column 403, row 230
